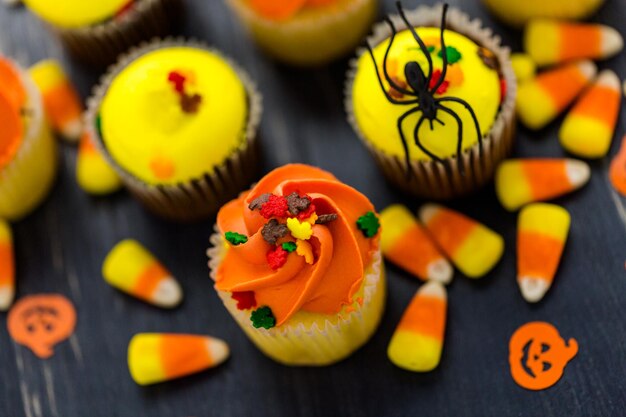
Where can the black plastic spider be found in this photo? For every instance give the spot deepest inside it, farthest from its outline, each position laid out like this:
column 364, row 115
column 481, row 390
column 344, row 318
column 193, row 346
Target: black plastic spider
column 424, row 99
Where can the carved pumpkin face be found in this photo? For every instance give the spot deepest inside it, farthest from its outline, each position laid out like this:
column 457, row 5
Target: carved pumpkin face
column 41, row 321
column 538, row 355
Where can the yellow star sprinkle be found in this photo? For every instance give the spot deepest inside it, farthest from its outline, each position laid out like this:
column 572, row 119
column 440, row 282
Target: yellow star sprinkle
column 299, row 230
column 304, row 248
column 312, row 219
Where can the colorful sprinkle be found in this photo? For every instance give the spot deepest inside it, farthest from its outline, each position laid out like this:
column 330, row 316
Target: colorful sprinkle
column 289, row 246
column 435, row 79
column 452, row 54
column 275, row 206
column 305, row 249
column 326, row 218
column 245, row 299
column 299, row 230
column 297, row 203
column 235, row 238
column 272, row 231
column 277, row 257
column 258, row 202
column 263, row 317
column 368, row 224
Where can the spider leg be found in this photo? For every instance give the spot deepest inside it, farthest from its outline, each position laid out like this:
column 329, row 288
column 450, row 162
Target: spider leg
column 419, row 144
column 380, row 81
column 385, row 73
column 418, row 40
column 440, row 122
column 405, row 145
column 459, row 143
column 471, row 112
column 444, row 52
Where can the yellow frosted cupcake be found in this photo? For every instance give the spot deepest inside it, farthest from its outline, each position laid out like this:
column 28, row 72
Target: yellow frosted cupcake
column 178, row 122
column 28, row 158
column 98, row 31
column 437, row 123
column 306, row 32
column 296, row 261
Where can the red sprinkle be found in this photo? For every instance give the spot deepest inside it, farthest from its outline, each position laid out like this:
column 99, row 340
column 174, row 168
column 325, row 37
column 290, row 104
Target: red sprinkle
column 125, row 9
column 178, row 80
column 245, row 299
column 303, row 215
column 275, row 207
column 277, row 257
column 503, row 90
column 435, row 79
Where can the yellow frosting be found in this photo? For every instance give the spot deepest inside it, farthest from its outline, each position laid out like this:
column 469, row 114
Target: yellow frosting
column 75, row 13
column 145, row 129
column 469, row 79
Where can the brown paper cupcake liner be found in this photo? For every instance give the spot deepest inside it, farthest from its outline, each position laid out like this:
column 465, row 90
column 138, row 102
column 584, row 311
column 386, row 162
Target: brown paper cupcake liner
column 318, row 344
column 200, row 197
column 431, row 179
column 101, row 44
column 27, row 179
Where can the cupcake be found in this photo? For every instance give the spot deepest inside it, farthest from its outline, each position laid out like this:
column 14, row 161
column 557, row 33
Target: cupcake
column 437, row 123
column 296, row 261
column 96, row 32
column 28, row 156
column 306, row 32
column 177, row 121
column 517, row 13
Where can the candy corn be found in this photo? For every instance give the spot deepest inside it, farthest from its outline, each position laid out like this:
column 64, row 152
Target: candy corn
column 61, row 101
column 417, row 343
column 473, row 248
column 93, row 172
column 405, row 243
column 588, row 128
column 523, row 66
column 617, row 170
column 7, row 267
column 542, row 232
column 541, row 100
column 523, row 181
column 130, row 268
column 159, row 357
column 551, row 41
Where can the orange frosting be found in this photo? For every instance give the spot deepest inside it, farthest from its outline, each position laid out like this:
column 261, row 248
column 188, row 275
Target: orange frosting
column 340, row 249
column 285, row 9
column 12, row 99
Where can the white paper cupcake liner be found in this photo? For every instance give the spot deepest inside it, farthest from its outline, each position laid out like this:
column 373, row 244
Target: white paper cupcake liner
column 431, row 179
column 102, row 43
column 295, row 344
column 27, row 179
column 200, row 197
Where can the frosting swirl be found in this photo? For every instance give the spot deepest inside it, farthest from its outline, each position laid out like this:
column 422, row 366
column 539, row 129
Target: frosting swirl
column 321, row 282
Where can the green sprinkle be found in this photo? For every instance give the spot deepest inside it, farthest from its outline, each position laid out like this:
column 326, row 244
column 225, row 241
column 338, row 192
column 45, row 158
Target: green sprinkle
column 289, row 246
column 452, row 53
column 263, row 317
column 368, row 224
column 99, row 124
column 430, row 49
column 235, row 238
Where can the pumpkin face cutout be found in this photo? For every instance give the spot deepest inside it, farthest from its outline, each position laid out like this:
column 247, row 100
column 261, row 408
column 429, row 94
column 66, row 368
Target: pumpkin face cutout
column 41, row 321
column 538, row 355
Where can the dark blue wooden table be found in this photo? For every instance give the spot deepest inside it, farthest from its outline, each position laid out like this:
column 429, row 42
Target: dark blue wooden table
column 60, row 249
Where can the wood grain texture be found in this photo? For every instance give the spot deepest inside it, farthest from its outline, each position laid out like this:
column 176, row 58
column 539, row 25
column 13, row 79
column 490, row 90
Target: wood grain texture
column 61, row 246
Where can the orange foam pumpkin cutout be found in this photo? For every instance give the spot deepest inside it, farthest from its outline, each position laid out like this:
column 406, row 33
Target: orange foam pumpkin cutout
column 40, row 322
column 617, row 171
column 538, row 355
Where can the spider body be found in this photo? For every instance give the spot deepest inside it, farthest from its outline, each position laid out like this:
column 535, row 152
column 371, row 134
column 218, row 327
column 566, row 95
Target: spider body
column 420, row 91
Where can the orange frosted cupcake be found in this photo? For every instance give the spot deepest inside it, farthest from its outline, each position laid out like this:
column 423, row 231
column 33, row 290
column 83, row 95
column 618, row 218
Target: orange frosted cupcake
column 296, row 261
